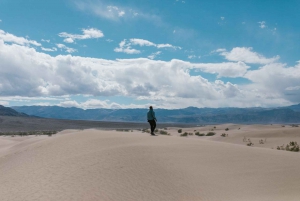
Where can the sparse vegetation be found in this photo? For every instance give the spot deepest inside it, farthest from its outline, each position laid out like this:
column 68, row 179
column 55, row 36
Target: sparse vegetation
column 145, row 130
column 292, row 146
column 210, row 133
column 179, row 130
column 294, row 125
column 250, row 144
column 224, row 135
column 191, row 133
column 199, row 134
column 36, row 133
column 162, row 132
column 283, row 126
column 215, row 127
column 185, row 134
column 226, row 129
column 123, row 130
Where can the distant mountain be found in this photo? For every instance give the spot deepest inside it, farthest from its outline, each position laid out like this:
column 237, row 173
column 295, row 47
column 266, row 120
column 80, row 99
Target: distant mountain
column 290, row 114
column 6, row 111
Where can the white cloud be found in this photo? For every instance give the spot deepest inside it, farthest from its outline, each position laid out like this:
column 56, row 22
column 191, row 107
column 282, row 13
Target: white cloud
column 226, row 69
column 125, row 45
column 4, row 103
column 47, row 41
column 67, row 49
column 24, row 72
column 154, row 55
column 293, row 88
column 277, row 80
column 191, row 56
column 141, row 42
column 87, row 34
column 109, row 40
column 246, row 55
column 262, row 24
column 125, row 48
column 7, row 37
column 49, row 49
column 103, row 10
column 222, row 18
column 0, row 20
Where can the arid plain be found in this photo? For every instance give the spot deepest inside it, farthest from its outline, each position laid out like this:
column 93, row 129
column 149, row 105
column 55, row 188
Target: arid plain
column 113, row 165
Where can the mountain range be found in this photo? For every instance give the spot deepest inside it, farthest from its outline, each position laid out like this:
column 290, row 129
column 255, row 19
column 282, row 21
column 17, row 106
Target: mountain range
column 193, row 115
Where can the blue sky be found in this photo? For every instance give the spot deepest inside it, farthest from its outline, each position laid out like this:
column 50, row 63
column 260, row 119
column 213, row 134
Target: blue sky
column 130, row 54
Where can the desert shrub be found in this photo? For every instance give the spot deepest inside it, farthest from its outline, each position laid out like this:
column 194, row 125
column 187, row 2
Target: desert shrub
column 145, row 130
column 184, row 134
column 250, row 144
column 156, row 130
column 224, row 135
column 239, row 128
column 283, row 126
column 199, row 134
column 165, row 128
column 215, row 127
column 294, row 125
column 226, row 129
column 210, row 133
column 179, row 130
column 162, row 132
column 191, row 133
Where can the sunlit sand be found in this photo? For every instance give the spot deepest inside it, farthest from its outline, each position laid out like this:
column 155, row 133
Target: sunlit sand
column 112, row 165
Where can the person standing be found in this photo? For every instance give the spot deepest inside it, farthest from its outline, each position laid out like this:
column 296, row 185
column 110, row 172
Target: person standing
column 151, row 119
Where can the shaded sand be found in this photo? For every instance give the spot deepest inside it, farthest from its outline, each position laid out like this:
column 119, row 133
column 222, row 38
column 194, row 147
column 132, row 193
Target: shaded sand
column 131, row 166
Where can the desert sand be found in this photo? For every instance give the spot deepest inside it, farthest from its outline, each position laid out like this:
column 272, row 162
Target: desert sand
column 88, row 165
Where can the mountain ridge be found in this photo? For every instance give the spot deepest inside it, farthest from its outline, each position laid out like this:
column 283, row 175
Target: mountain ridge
column 287, row 114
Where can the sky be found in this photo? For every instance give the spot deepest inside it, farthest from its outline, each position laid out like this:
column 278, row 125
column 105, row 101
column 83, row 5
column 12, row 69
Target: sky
column 135, row 53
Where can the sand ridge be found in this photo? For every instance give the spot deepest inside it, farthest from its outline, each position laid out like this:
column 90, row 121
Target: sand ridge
column 109, row 165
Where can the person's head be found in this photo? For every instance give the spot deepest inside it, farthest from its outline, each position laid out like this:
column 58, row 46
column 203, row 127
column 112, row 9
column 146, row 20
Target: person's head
column 151, row 108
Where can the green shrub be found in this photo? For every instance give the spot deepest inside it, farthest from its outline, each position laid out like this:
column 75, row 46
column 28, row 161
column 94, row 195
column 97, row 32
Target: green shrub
column 199, row 134
column 162, row 132
column 210, row 133
column 226, row 129
column 179, row 130
column 191, row 133
column 224, row 135
column 184, row 134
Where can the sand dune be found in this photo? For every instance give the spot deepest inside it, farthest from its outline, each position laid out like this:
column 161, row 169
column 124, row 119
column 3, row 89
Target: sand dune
column 110, row 166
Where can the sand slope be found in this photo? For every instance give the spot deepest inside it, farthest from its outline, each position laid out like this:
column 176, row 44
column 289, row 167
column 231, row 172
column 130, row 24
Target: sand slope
column 111, row 166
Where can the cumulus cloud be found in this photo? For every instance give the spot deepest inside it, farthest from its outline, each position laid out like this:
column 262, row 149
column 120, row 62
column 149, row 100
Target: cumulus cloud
column 245, row 54
column 225, row 69
column 277, row 80
column 87, row 34
column 67, row 75
column 10, row 38
column 125, row 45
column 25, row 72
column 67, row 49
